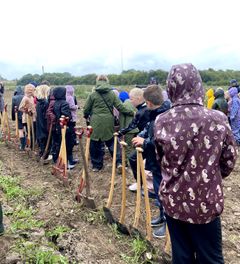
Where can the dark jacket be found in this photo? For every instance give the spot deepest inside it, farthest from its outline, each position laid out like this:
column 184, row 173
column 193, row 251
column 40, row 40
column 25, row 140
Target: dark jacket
column 139, row 121
column 149, row 144
column 16, row 100
column 220, row 103
column 198, row 150
column 41, row 120
column 60, row 107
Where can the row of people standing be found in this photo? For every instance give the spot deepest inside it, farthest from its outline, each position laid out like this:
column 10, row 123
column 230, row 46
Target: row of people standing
column 227, row 102
column 46, row 106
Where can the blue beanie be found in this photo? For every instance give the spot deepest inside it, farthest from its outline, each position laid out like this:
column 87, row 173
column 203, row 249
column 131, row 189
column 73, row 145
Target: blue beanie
column 123, row 96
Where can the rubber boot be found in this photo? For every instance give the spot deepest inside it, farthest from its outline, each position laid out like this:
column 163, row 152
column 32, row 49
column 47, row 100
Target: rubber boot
column 1, row 221
column 22, row 143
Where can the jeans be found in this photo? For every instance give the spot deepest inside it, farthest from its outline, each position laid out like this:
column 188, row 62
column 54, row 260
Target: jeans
column 196, row 243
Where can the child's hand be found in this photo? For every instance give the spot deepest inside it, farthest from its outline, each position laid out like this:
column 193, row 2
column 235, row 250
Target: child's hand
column 137, row 141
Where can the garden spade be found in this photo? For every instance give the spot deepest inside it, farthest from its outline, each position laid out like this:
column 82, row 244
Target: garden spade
column 106, row 209
column 87, row 200
column 83, row 176
column 61, row 164
column 120, row 224
column 16, row 125
column 140, row 171
column 5, row 129
column 167, row 242
column 46, row 150
column 32, row 134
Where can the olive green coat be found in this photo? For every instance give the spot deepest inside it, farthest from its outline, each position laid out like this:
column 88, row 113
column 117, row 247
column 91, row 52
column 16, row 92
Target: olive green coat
column 101, row 119
column 126, row 119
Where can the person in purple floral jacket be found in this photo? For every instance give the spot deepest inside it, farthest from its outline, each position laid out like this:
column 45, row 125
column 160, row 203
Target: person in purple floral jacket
column 198, row 151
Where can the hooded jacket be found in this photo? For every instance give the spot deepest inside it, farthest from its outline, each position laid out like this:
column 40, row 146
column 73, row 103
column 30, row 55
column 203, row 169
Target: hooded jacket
column 234, row 114
column 101, row 118
column 27, row 104
column 196, row 148
column 16, row 100
column 220, row 103
column 60, row 107
column 70, row 99
column 210, row 98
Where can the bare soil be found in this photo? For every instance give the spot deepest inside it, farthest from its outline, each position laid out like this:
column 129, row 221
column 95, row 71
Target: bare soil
column 89, row 238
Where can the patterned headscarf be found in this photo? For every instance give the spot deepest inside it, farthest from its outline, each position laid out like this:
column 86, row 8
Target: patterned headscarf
column 184, row 85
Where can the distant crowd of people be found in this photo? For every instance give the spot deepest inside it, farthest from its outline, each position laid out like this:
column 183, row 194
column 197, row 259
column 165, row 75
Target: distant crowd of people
column 188, row 148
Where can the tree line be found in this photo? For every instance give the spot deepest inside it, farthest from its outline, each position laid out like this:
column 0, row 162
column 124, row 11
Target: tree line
column 129, row 77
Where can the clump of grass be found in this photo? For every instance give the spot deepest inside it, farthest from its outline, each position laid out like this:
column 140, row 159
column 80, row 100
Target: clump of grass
column 94, row 217
column 22, row 220
column 138, row 252
column 31, row 253
column 12, row 189
column 57, row 232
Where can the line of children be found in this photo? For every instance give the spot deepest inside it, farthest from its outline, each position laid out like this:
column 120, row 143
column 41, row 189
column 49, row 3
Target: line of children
column 154, row 99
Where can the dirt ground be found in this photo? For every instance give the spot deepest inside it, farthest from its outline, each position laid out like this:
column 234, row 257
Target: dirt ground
column 88, row 238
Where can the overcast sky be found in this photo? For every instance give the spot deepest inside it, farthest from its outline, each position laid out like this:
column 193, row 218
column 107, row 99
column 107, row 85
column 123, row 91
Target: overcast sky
column 106, row 36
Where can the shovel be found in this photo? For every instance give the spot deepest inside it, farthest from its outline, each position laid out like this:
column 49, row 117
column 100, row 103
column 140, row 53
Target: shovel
column 5, row 129
column 46, row 150
column 32, row 134
column 61, row 164
column 87, row 200
column 140, row 171
column 120, row 224
column 83, row 176
column 167, row 246
column 28, row 132
column 106, row 209
column 16, row 124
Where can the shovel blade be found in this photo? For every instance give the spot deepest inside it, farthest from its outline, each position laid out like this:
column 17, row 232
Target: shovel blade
column 122, row 229
column 108, row 215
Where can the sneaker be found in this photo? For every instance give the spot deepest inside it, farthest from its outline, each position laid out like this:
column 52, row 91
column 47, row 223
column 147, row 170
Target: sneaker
column 70, row 166
column 158, row 221
column 133, row 187
column 49, row 157
column 119, row 168
column 160, row 232
column 95, row 170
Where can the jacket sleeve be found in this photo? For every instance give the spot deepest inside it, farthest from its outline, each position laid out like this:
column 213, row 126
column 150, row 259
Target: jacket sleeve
column 65, row 110
column 87, row 109
column 215, row 106
column 228, row 155
column 72, row 105
column 132, row 125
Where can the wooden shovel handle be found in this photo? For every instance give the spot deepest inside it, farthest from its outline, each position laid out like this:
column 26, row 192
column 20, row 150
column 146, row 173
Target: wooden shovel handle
column 110, row 196
column 123, row 204
column 146, row 198
column 167, row 246
column 87, row 180
column 48, row 141
column 138, row 199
